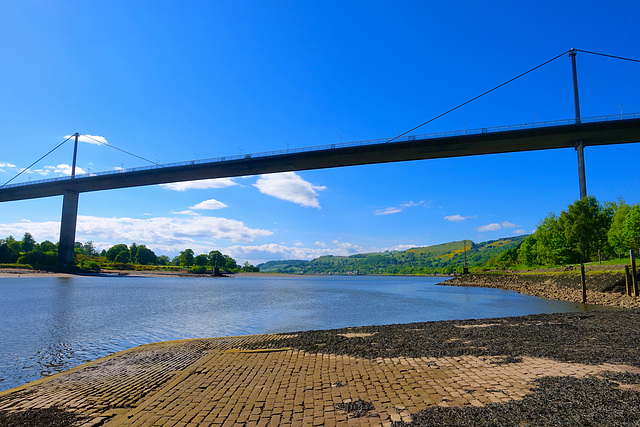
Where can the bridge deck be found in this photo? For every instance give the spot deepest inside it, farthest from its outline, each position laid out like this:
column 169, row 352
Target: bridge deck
column 564, row 136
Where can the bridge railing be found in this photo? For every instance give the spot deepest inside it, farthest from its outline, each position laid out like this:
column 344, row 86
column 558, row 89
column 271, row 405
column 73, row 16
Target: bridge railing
column 492, row 129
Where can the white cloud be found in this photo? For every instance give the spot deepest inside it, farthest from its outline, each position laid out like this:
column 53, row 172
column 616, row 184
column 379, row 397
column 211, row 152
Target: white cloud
column 291, row 187
column 489, row 227
column 387, row 211
column 164, row 234
column 411, row 204
column 46, row 230
column 496, row 226
column 7, row 165
column 202, row 184
column 458, row 218
column 185, row 212
column 210, row 204
column 61, row 169
column 395, row 210
column 520, row 231
column 91, row 139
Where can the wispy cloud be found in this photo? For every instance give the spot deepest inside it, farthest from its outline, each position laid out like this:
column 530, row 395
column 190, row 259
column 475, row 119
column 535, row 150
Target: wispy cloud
column 211, row 204
column 90, row 139
column 185, row 212
column 387, row 211
column 394, row 210
column 459, row 218
column 291, row 187
column 7, row 165
column 202, row 184
column 497, row 226
column 411, row 204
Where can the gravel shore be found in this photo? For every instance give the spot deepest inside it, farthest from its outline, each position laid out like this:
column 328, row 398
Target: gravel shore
column 602, row 289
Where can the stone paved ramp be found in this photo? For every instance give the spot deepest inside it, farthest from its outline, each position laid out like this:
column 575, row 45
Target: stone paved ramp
column 215, row 382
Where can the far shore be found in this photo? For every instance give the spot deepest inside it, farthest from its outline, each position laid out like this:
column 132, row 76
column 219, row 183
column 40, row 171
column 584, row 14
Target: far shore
column 17, row 272
column 558, row 285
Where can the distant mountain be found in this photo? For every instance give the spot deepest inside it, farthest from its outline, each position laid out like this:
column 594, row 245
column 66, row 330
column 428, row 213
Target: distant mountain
column 444, row 258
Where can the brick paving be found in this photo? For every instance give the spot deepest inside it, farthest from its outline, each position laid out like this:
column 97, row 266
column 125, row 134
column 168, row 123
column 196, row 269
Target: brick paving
column 215, row 382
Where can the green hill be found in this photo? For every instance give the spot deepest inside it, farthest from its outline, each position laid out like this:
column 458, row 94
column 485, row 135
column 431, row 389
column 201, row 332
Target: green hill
column 444, row 258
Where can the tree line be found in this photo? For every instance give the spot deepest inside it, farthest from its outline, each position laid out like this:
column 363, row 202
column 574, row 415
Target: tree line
column 586, row 231
column 87, row 257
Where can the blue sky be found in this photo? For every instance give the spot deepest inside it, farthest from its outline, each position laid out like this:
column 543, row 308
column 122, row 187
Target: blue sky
column 175, row 81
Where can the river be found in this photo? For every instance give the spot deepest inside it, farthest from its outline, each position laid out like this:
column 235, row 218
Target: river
column 52, row 324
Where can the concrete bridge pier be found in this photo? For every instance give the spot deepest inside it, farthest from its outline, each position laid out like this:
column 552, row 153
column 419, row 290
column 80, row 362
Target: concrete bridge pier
column 68, row 228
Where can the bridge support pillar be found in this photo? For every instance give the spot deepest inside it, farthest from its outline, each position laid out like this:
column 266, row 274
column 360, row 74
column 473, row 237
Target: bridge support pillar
column 582, row 175
column 68, row 229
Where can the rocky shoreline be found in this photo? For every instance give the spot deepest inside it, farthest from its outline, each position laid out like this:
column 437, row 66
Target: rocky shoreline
column 603, row 288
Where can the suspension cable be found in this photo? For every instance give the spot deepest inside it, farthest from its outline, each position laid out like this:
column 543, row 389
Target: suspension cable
column 120, row 149
column 609, row 56
column 479, row 96
column 28, row 167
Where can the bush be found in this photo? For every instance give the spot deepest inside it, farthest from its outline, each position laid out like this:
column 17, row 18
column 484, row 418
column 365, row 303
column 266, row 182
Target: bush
column 198, row 269
column 90, row 266
column 122, row 266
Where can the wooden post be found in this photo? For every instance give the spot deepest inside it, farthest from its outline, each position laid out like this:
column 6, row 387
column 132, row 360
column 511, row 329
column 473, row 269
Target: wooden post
column 633, row 273
column 627, row 279
column 584, row 284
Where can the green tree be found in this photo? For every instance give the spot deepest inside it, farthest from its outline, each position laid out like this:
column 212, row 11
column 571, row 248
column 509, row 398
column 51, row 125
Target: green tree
column 145, row 256
column 28, row 243
column 527, row 252
column 229, row 263
column 122, row 257
column 133, row 252
column 615, row 234
column 113, row 252
column 631, row 228
column 585, row 224
column 9, row 249
column 89, row 249
column 216, row 259
column 507, row 258
column 551, row 243
column 201, row 260
column 186, row 258
column 248, row 268
column 48, row 246
column 164, row 260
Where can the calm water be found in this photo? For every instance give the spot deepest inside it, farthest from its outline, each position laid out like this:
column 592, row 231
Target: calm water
column 52, row 324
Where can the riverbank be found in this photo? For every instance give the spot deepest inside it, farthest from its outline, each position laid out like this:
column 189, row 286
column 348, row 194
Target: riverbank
column 508, row 371
column 603, row 287
column 17, row 272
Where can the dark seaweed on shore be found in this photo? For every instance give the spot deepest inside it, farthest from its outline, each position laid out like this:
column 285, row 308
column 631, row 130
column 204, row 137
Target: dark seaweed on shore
column 554, row 401
column 45, row 417
column 592, row 338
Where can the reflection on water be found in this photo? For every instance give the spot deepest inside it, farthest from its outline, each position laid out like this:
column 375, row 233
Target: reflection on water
column 52, row 324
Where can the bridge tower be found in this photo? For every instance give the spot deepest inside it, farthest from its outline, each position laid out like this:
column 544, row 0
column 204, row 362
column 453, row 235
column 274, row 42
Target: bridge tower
column 582, row 175
column 69, row 218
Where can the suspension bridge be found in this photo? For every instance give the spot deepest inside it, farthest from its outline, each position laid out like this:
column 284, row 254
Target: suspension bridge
column 577, row 133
